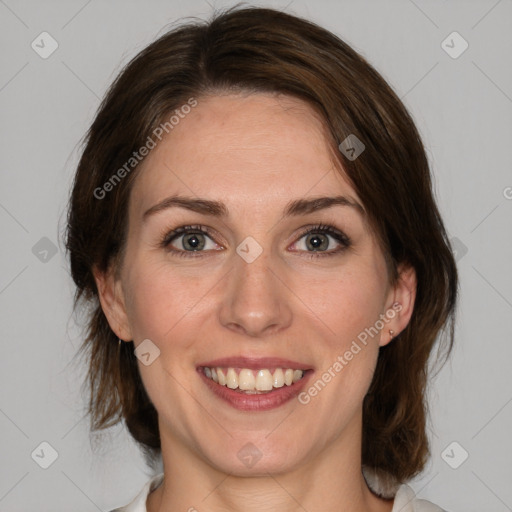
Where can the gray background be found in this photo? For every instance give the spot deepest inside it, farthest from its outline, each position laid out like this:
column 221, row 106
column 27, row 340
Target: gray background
column 463, row 109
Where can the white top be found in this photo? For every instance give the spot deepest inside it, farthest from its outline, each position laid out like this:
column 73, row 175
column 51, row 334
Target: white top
column 405, row 499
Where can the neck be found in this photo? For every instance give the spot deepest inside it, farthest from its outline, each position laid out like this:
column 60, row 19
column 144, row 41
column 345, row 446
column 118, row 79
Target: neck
column 330, row 481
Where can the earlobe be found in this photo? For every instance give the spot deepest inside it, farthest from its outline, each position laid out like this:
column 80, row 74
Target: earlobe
column 111, row 296
column 400, row 304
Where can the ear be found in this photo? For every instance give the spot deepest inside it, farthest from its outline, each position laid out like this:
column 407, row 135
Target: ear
column 399, row 304
column 112, row 302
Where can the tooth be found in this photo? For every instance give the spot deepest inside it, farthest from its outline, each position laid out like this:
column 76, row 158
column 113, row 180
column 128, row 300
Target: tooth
column 264, row 380
column 231, row 379
column 278, row 378
column 246, row 380
column 221, row 377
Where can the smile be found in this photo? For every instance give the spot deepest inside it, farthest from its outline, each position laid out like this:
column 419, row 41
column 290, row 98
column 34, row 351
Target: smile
column 253, row 381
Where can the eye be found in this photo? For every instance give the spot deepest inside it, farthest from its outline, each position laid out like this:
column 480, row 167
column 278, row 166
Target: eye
column 321, row 240
column 189, row 239
column 317, row 241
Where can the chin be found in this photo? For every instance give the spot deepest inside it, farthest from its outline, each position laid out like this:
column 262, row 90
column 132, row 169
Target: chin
column 243, row 457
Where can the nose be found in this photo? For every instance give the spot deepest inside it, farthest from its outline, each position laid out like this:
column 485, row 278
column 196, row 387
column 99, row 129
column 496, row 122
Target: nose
column 256, row 302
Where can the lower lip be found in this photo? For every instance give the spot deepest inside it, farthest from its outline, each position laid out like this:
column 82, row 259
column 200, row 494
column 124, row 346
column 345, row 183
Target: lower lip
column 257, row 402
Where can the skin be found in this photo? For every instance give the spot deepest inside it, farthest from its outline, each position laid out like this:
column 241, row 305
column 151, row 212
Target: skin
column 255, row 153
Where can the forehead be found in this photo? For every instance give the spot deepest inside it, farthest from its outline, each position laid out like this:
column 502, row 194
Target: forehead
column 248, row 149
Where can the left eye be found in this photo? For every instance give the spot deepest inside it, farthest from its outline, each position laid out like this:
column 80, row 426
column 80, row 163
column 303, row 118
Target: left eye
column 321, row 240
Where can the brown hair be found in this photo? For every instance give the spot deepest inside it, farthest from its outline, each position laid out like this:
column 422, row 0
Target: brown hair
column 265, row 50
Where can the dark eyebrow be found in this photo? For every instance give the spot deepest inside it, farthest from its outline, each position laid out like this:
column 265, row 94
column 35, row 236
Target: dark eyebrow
column 204, row 206
column 219, row 209
column 305, row 206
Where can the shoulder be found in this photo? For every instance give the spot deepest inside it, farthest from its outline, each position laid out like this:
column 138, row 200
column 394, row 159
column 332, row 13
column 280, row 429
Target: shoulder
column 406, row 501
column 138, row 504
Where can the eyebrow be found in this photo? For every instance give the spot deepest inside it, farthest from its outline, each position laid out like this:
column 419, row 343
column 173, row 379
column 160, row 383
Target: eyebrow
column 219, row 209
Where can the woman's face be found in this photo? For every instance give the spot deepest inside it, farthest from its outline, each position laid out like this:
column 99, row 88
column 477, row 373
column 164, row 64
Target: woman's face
column 256, row 280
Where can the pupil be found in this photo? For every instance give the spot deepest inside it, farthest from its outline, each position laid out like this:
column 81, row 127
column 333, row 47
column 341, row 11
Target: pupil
column 194, row 241
column 317, row 242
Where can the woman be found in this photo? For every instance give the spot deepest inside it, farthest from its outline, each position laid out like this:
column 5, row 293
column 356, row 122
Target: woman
column 253, row 224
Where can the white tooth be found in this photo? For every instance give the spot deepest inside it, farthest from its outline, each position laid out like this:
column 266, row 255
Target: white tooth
column 221, row 377
column 264, row 380
column 278, row 378
column 246, row 380
column 297, row 374
column 231, row 379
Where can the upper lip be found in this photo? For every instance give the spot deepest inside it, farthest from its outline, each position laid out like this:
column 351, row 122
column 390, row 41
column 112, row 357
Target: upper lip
column 255, row 363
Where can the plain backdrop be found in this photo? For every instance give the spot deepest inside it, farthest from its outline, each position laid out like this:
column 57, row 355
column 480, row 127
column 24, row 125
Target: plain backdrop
column 462, row 105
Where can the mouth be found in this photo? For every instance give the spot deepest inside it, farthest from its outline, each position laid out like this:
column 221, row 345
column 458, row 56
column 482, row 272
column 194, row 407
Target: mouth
column 255, row 384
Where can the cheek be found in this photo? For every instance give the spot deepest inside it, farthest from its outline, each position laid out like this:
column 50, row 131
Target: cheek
column 345, row 304
column 160, row 299
column 163, row 308
column 348, row 307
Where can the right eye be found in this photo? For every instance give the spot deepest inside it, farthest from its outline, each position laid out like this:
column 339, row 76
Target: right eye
column 188, row 239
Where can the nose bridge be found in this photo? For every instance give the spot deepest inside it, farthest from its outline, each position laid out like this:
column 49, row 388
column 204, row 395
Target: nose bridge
column 254, row 300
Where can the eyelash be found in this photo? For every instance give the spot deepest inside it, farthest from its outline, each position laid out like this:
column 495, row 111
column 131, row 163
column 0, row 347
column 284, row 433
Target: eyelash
column 339, row 236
